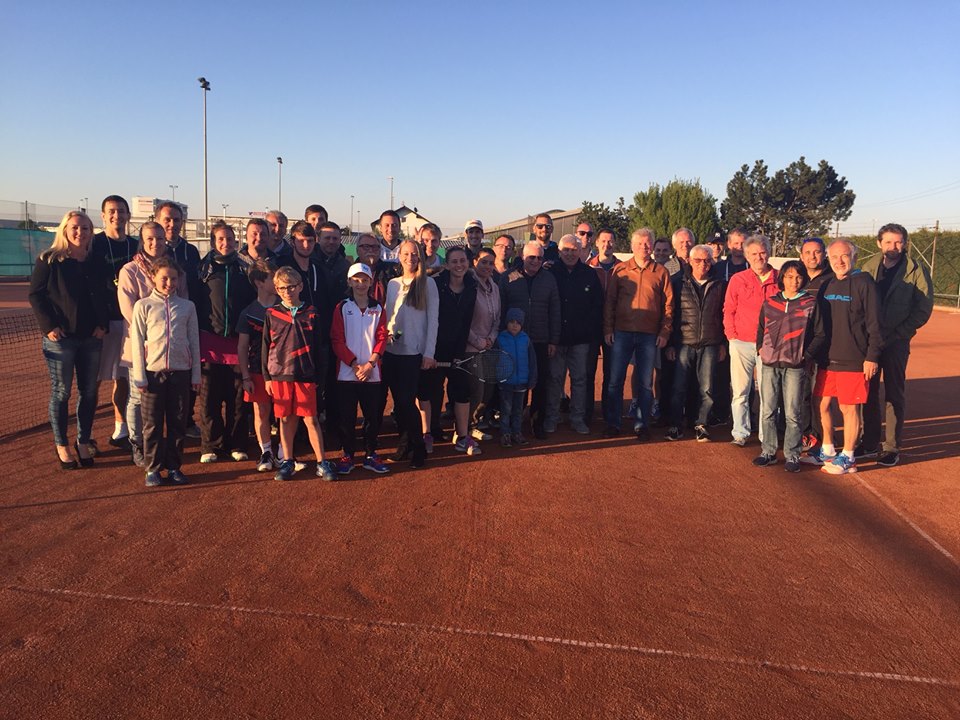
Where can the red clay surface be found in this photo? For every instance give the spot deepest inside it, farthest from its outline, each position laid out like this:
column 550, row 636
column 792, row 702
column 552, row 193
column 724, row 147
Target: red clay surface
column 572, row 579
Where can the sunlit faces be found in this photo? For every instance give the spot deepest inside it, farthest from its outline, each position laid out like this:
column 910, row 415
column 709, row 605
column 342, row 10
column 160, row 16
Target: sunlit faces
column 78, row 233
column 735, row 244
column 152, row 242
column 457, row 262
column 569, row 252
column 303, row 244
column 430, row 241
column 278, row 226
column 504, row 248
column 532, row 260
column 542, row 229
column 700, row 264
column 258, row 241
column 641, row 246
column 390, row 229
column 812, row 255
column 682, row 242
column 368, row 250
column 661, row 251
column 474, row 237
column 757, row 256
column 409, row 257
column 224, row 241
column 329, row 241
column 792, row 282
column 316, row 219
column 288, row 287
column 165, row 280
column 360, row 283
column 116, row 217
column 842, row 257
column 891, row 245
column 484, row 266
column 171, row 219
column 605, row 243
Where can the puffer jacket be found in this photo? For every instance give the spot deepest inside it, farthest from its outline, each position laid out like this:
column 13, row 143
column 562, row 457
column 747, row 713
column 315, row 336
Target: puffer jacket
column 697, row 320
column 581, row 303
column 539, row 299
column 908, row 304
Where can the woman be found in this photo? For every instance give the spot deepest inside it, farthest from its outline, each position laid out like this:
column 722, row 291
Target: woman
column 457, row 293
column 484, row 328
column 68, row 296
column 412, row 330
column 135, row 282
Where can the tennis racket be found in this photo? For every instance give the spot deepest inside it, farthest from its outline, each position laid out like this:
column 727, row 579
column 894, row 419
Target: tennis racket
column 489, row 366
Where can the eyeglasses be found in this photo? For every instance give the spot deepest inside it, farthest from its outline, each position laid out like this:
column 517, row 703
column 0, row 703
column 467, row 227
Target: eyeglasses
column 585, row 233
column 286, row 288
column 538, row 258
column 541, row 226
column 700, row 261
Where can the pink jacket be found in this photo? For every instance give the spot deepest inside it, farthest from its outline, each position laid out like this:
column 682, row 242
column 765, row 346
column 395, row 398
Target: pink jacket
column 133, row 283
column 486, row 317
column 741, row 306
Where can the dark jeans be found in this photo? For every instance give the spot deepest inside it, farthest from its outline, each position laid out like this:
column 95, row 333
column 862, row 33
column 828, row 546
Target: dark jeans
column 66, row 357
column 642, row 348
column 699, row 363
column 164, row 402
column 538, row 398
column 893, row 365
column 222, row 411
column 367, row 394
column 401, row 373
column 592, row 362
column 511, row 408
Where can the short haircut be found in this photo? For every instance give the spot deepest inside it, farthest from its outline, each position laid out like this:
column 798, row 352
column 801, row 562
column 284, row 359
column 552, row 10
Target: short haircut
column 114, row 199
column 456, row 249
column 151, row 225
column 793, row 265
column 168, row 204
column 893, row 228
column 757, row 240
column 261, row 270
column 279, row 215
column 431, row 227
column 165, row 261
column 534, row 247
column 818, row 241
column 708, row 249
column 508, row 237
column 329, row 225
column 483, row 251
column 389, row 213
column 221, row 225
column 662, row 241
column 569, row 239
column 288, row 275
column 259, row 222
column 369, row 236
column 608, row 231
column 644, row 232
column 302, row 227
column 542, row 215
column 738, row 230
column 315, row 209
column 853, row 248
column 693, row 237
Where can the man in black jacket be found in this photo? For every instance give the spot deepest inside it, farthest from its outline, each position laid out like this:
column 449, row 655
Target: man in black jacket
column 581, row 323
column 697, row 342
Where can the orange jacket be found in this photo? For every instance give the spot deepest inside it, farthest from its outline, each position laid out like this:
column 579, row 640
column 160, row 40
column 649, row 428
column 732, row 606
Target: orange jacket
column 639, row 300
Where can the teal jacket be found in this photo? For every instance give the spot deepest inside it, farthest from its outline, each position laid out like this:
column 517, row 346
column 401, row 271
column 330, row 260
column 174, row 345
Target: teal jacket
column 909, row 302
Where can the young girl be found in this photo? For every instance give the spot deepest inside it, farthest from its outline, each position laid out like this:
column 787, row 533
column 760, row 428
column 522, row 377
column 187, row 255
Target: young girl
column 359, row 336
column 783, row 335
column 165, row 342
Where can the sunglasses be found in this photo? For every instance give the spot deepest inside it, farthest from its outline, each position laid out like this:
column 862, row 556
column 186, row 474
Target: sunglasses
column 585, row 233
column 541, row 226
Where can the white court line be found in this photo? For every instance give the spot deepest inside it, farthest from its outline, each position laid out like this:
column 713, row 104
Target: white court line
column 522, row 637
column 920, row 531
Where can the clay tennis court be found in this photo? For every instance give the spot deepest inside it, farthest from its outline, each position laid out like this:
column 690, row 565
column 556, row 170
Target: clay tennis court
column 572, row 579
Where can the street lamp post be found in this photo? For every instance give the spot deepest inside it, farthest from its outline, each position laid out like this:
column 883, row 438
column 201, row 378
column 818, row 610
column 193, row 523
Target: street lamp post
column 279, row 183
column 391, row 191
column 83, row 203
column 351, row 215
column 205, row 86
column 173, row 192
column 224, row 206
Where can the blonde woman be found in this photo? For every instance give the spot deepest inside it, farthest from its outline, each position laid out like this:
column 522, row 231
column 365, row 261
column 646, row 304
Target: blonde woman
column 412, row 309
column 68, row 296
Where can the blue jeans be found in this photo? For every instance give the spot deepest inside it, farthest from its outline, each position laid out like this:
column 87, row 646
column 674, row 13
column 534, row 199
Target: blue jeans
column 743, row 361
column 701, row 362
column 572, row 358
column 511, row 408
column 789, row 382
column 642, row 347
column 66, row 357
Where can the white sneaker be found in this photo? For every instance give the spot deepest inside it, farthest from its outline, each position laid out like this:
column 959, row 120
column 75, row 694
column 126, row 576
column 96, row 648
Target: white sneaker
column 208, row 458
column 478, row 434
column 239, row 455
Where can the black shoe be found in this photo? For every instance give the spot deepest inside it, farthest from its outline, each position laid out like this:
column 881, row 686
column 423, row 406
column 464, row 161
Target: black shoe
column 642, row 433
column 861, row 452
column 418, row 458
column 611, row 432
column 764, row 460
column 176, row 477
column 153, row 479
column 70, row 464
column 401, row 454
column 121, row 442
column 84, row 461
column 702, row 434
column 674, row 433
column 889, row 459
column 792, row 466
column 539, row 433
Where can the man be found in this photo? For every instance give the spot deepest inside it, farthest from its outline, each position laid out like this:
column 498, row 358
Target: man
column 813, row 255
column 428, row 236
column 278, row 234
column 368, row 253
column 542, row 230
column 746, row 292
column 473, row 232
column 637, row 319
column 258, row 237
column 683, row 239
column 662, row 250
column 581, row 317
column 331, row 258
column 117, row 248
column 390, row 233
column 603, row 263
column 504, row 250
column 534, row 291
column 906, row 302
column 735, row 261
column 847, row 344
column 316, row 215
column 585, row 236
column 697, row 342
column 303, row 239
column 170, row 217
column 716, row 243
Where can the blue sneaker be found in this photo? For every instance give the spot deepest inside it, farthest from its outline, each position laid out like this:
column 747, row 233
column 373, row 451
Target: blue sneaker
column 345, row 465
column 286, row 470
column 840, row 465
column 373, row 464
column 817, row 457
column 327, row 470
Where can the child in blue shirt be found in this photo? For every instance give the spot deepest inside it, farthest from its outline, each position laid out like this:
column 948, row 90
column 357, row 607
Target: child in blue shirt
column 516, row 343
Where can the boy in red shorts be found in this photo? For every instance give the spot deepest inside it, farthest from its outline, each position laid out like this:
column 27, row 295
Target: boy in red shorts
column 292, row 356
column 847, row 343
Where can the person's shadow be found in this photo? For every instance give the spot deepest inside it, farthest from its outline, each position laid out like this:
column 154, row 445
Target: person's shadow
column 932, row 428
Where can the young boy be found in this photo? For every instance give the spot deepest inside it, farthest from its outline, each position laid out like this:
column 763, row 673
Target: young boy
column 359, row 336
column 292, row 356
column 515, row 343
column 165, row 343
column 249, row 347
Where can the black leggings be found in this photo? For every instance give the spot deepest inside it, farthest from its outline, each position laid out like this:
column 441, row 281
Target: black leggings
column 401, row 373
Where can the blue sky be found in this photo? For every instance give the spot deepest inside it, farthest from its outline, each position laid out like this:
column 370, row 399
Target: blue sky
column 491, row 110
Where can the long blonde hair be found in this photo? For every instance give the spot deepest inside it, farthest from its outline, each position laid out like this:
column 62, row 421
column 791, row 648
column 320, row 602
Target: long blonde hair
column 60, row 248
column 417, row 294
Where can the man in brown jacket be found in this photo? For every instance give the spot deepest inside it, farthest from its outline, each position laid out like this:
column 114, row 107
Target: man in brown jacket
column 637, row 319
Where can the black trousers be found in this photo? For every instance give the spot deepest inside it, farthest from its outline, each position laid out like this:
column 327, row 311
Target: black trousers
column 401, row 373
column 164, row 402
column 893, row 366
column 367, row 394
column 538, row 398
column 222, row 410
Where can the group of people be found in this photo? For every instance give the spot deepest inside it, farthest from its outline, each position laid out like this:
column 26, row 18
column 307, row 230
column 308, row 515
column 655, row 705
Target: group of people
column 290, row 327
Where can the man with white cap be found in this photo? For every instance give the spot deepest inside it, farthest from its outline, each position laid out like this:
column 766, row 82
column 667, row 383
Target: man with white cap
column 473, row 231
